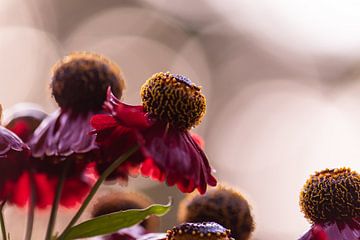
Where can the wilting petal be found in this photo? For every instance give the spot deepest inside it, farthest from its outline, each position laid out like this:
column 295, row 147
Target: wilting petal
column 174, row 157
column 62, row 134
column 166, row 153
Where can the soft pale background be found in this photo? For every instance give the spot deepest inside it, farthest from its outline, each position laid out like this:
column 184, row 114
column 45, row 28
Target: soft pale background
column 281, row 78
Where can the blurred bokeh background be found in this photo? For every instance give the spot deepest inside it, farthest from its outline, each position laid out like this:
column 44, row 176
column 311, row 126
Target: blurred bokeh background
column 282, row 79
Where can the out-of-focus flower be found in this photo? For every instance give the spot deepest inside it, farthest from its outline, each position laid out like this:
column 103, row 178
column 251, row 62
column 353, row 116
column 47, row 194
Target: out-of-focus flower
column 22, row 119
column 14, row 155
column 204, row 230
column 330, row 199
column 113, row 202
column 153, row 236
column 222, row 205
column 186, row 231
column 172, row 105
column 118, row 201
column 132, row 233
column 79, row 83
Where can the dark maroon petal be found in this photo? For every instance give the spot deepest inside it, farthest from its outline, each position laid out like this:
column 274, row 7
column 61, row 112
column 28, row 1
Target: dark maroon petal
column 334, row 230
column 63, row 133
column 174, row 153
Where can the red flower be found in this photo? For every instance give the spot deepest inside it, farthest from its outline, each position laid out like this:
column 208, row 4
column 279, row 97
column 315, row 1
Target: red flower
column 79, row 84
column 330, row 200
column 14, row 156
column 171, row 106
column 23, row 119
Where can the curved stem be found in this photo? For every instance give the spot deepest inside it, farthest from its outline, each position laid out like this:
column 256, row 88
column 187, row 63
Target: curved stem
column 2, row 221
column 56, row 202
column 96, row 186
column 31, row 210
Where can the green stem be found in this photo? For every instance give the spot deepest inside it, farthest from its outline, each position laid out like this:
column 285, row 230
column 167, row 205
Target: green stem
column 31, row 210
column 56, row 201
column 96, row 186
column 2, row 221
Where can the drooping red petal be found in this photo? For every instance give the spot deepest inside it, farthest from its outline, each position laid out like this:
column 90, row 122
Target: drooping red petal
column 166, row 153
column 174, row 157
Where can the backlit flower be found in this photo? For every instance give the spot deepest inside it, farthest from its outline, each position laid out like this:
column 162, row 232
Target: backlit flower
column 79, row 83
column 14, row 156
column 330, row 200
column 222, row 205
column 22, row 119
column 172, row 105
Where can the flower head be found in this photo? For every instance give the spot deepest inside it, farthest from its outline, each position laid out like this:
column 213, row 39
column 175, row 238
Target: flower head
column 79, row 84
column 174, row 99
column 204, row 230
column 171, row 105
column 222, row 205
column 332, row 194
column 14, row 156
column 330, row 199
column 80, row 80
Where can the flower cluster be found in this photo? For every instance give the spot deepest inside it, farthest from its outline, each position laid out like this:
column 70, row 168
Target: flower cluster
column 60, row 156
column 61, row 159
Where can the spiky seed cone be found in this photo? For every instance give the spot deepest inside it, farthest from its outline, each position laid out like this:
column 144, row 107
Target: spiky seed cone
column 223, row 205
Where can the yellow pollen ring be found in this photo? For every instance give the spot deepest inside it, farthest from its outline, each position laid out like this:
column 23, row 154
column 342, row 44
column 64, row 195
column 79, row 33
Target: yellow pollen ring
column 332, row 194
column 172, row 100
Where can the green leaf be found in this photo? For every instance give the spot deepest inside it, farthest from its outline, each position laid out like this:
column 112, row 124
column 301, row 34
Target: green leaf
column 113, row 222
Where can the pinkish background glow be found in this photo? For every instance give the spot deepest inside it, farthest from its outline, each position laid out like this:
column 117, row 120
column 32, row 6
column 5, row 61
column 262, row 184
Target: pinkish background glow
column 282, row 79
